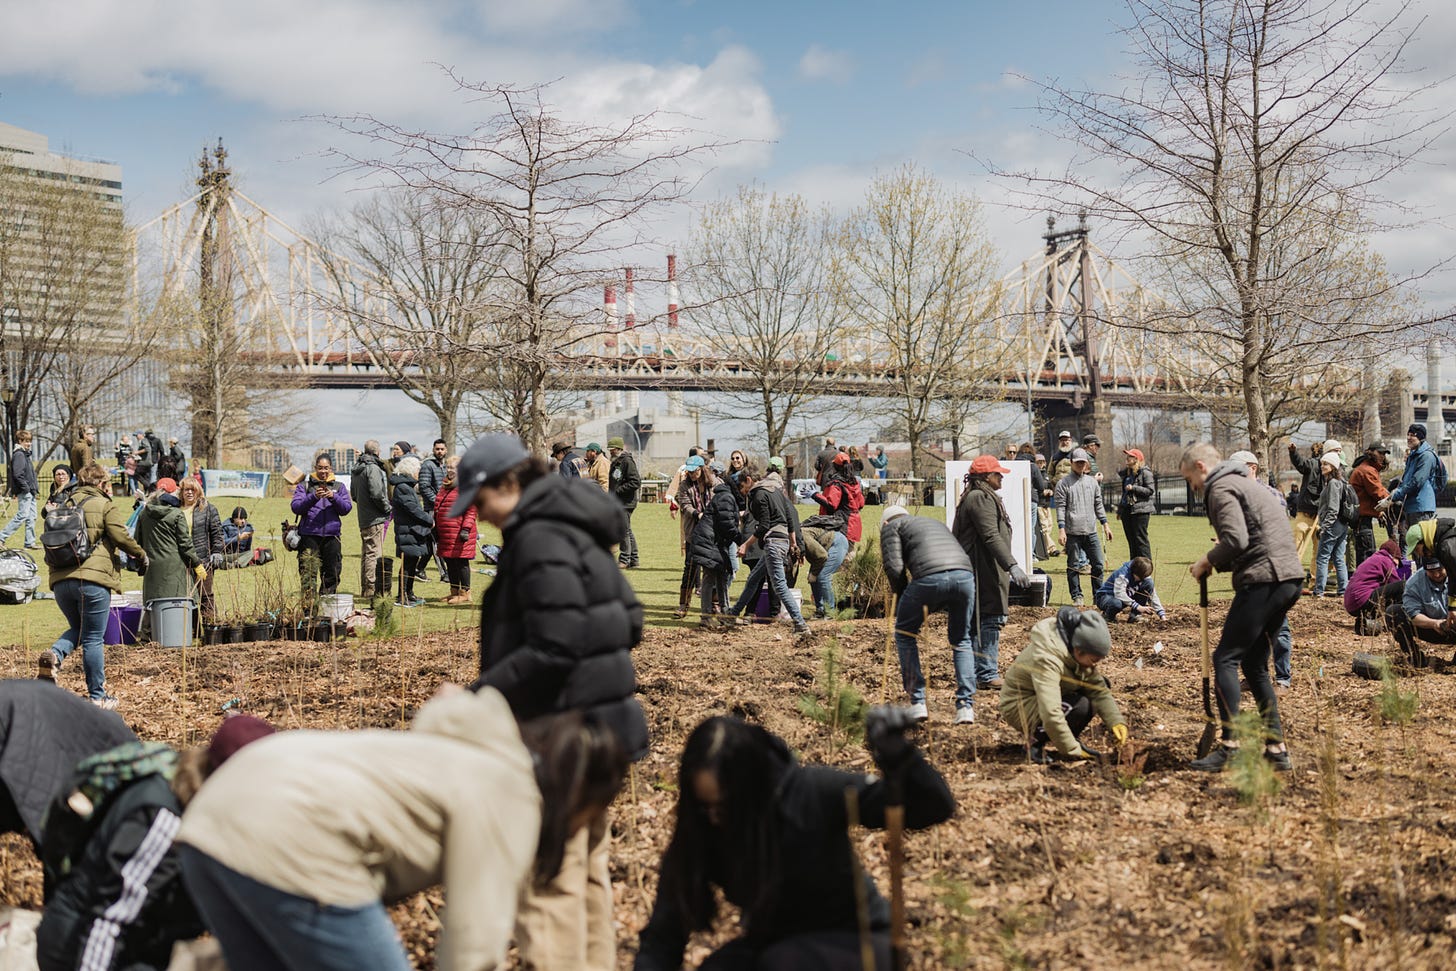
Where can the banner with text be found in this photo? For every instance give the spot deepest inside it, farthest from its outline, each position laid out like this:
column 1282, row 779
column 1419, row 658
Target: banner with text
column 232, row 482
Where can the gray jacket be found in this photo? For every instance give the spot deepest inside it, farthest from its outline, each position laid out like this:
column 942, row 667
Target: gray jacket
column 432, row 476
column 1255, row 540
column 1137, row 492
column 916, row 546
column 1079, row 504
column 370, row 489
column 1328, row 512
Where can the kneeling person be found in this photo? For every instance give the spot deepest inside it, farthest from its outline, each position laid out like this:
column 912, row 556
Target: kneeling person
column 1423, row 614
column 1130, row 588
column 1053, row 688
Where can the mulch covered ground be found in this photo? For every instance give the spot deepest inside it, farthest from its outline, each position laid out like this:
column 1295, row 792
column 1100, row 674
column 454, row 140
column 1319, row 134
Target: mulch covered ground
column 1134, row 865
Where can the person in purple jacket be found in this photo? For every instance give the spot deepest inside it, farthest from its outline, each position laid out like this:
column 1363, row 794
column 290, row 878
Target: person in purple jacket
column 1375, row 584
column 320, row 501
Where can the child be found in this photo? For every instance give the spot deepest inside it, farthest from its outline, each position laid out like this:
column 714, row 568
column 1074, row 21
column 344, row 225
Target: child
column 1130, row 588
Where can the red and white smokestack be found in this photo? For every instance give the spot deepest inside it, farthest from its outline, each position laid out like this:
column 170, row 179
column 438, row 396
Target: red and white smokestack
column 671, row 290
column 609, row 306
column 631, row 302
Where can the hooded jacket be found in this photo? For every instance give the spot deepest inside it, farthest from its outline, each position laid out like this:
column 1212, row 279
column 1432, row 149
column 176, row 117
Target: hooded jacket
column 625, row 479
column 559, row 622
column 21, row 480
column 106, row 527
column 1439, row 537
column 912, row 547
column 983, row 529
column 371, row 491
column 320, row 517
column 772, row 514
column 161, row 530
column 1255, row 540
column 716, row 530
column 350, row 818
column 1138, row 490
column 1417, row 487
column 455, row 539
column 1312, row 483
column 414, row 525
column 1374, row 572
column 1079, row 504
column 1045, row 673
column 1365, row 480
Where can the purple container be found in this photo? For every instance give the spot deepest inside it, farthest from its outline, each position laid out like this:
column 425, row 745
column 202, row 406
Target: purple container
column 1404, row 570
column 122, row 624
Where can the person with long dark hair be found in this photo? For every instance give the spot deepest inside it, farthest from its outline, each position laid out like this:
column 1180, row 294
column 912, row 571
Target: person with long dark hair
column 774, row 836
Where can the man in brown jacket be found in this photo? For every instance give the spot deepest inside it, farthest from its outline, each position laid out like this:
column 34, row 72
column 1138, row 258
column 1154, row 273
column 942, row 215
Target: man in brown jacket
column 1256, row 543
column 983, row 529
column 1365, row 480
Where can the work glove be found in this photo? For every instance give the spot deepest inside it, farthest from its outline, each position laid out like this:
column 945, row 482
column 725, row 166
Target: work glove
column 1383, row 504
column 200, row 572
column 215, row 561
column 885, row 727
column 1019, row 577
column 1119, row 735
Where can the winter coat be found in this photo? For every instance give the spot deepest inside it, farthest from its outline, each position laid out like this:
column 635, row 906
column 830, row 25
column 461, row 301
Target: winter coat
column 455, row 538
column 236, row 540
column 1045, row 674
column 347, row 819
column 625, row 479
column 914, row 546
column 1328, row 513
column 106, row 529
column 1439, row 537
column 1079, row 504
column 432, row 476
column 983, row 529
column 162, row 531
column 414, row 526
column 716, row 530
column 1417, row 487
column 817, row 868
column 559, row 622
column 21, row 480
column 1374, row 572
column 44, row 732
column 771, row 513
column 320, row 517
column 844, row 500
column 1138, row 490
column 1365, row 480
column 1120, row 589
column 1312, row 484
column 599, row 470
column 1254, row 537
column 81, row 455
column 206, row 532
column 371, row 491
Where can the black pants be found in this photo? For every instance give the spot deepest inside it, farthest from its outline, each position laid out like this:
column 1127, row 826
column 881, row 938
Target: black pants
column 329, row 553
column 810, row 951
column 1247, row 641
column 1135, row 525
column 628, row 553
column 1407, row 636
column 1078, row 714
column 457, row 570
column 1365, row 538
column 412, row 566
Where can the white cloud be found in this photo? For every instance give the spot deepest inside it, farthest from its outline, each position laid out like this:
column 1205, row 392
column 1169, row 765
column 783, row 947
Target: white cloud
column 821, row 64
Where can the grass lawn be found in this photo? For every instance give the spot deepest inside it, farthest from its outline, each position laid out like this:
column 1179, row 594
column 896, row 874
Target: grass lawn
column 1177, row 542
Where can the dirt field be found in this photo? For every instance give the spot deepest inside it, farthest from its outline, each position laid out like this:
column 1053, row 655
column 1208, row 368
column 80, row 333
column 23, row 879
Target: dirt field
column 1350, row 866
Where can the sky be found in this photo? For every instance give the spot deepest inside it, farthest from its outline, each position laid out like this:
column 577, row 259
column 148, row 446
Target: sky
column 820, row 96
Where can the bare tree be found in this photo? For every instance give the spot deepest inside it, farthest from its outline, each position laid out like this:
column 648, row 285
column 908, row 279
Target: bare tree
column 567, row 202
column 415, row 278
column 760, row 267
column 1249, row 147
column 920, row 276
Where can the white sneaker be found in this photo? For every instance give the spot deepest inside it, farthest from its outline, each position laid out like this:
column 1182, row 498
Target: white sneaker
column 919, row 712
column 965, row 716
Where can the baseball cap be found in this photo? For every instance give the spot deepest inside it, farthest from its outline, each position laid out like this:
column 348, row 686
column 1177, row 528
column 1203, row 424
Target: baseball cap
column 1064, row 434
column 694, row 462
column 776, row 462
column 167, row 485
column 488, row 456
column 616, row 441
column 1244, row 456
column 595, row 447
column 1380, row 447
column 1080, row 455
column 1091, row 440
column 1136, row 453
column 987, row 463
column 894, row 512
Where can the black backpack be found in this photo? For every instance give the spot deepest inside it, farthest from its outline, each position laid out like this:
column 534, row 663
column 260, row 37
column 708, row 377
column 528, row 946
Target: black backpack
column 1349, row 506
column 66, row 541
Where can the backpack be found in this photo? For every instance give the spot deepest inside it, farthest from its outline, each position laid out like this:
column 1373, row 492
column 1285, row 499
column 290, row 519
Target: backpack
column 1438, row 477
column 1349, row 506
column 66, row 541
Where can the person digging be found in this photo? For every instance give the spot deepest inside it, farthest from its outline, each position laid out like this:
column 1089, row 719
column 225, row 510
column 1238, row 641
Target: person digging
column 1052, row 689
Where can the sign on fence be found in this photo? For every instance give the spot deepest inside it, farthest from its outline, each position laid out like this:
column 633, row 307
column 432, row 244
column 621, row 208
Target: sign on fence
column 231, row 482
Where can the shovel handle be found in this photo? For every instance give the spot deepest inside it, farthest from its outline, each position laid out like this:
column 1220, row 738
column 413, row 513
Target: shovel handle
column 1203, row 593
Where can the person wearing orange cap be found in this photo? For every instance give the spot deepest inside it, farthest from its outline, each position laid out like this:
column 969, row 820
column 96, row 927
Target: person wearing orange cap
column 983, row 528
column 1135, row 508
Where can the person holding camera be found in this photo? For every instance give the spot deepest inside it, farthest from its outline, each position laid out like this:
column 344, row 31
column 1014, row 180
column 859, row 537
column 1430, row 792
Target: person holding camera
column 455, row 536
column 320, row 501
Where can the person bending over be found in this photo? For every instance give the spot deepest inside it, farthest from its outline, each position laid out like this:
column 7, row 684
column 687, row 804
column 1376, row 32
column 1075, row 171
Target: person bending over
column 1130, row 588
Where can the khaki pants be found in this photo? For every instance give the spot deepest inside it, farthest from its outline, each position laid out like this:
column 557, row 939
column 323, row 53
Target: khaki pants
column 371, row 538
column 1047, row 519
column 567, row 925
column 1306, row 531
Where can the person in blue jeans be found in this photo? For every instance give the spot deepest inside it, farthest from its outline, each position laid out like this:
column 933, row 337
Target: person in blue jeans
column 929, row 571
column 1423, row 478
column 21, row 482
column 83, row 591
column 1079, row 514
column 1332, row 532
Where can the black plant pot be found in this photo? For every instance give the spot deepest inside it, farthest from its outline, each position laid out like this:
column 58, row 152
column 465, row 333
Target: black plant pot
column 323, row 630
column 213, row 634
column 233, row 634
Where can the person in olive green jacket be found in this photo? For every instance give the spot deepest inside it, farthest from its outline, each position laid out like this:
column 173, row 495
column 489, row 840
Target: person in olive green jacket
column 84, row 592
column 1053, row 688
column 173, row 569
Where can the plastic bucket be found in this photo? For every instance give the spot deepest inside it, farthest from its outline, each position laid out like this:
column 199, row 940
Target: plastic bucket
column 122, row 623
column 133, row 598
column 336, row 606
column 797, row 596
column 172, row 621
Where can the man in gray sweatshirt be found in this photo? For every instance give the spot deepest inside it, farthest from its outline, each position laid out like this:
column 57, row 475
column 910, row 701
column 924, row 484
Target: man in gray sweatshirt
column 1079, row 513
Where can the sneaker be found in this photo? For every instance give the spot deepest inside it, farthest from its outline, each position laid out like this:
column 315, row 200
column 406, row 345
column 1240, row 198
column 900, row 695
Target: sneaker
column 801, row 627
column 993, row 685
column 1215, row 761
column 1078, row 602
column 1036, row 754
column 712, row 623
column 1284, row 683
column 919, row 712
column 48, row 663
column 1279, row 760
column 965, row 716
column 106, row 703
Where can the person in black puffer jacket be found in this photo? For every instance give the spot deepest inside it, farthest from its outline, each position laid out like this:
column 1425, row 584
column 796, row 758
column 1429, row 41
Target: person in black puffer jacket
column 414, row 527
column 206, row 526
column 714, row 534
column 557, row 629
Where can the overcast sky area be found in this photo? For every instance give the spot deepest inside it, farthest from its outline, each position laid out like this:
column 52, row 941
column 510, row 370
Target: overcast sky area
column 821, row 96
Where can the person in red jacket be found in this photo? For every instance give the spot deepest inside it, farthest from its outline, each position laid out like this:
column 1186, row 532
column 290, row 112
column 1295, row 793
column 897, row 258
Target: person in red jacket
column 1365, row 480
column 455, row 538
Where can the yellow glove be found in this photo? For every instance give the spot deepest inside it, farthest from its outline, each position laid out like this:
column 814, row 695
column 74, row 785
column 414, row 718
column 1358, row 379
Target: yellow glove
column 1119, row 735
column 201, row 572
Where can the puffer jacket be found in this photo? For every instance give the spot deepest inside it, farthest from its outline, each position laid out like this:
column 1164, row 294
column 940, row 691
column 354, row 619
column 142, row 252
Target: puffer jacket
column 983, row 529
column 1138, row 489
column 106, row 528
column 432, row 476
column 1312, row 483
column 1255, row 540
column 414, row 526
column 454, row 538
column 371, row 491
column 321, row 517
column 206, row 532
column 716, row 530
column 559, row 622
column 915, row 546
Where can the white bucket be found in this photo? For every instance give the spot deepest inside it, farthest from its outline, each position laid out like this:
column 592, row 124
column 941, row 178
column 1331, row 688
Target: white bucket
column 133, row 598
column 118, row 600
column 336, row 606
column 172, row 621
column 797, row 596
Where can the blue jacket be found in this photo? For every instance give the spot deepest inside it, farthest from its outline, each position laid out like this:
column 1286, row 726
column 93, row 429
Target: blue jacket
column 1120, row 587
column 1417, row 487
column 1424, row 598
